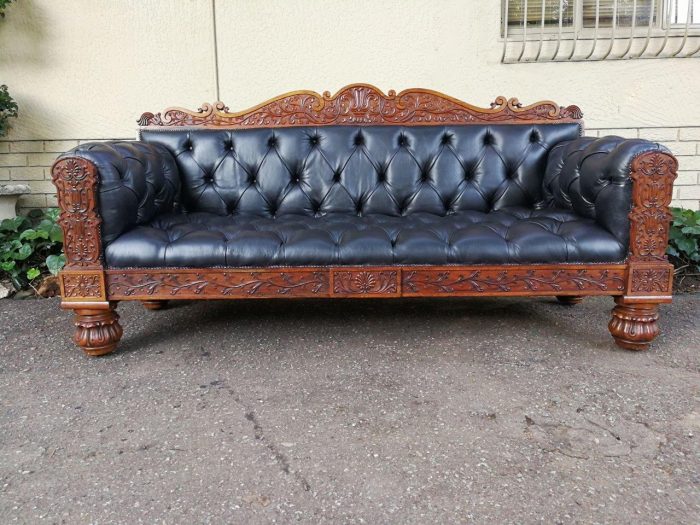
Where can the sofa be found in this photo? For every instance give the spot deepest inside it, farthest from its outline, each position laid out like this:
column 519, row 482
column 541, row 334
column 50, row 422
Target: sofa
column 363, row 194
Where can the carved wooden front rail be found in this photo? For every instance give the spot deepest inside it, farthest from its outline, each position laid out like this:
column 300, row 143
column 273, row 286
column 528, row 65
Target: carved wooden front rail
column 638, row 284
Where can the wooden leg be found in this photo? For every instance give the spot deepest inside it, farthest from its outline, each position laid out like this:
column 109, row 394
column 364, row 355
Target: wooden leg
column 97, row 332
column 633, row 325
column 569, row 300
column 154, row 305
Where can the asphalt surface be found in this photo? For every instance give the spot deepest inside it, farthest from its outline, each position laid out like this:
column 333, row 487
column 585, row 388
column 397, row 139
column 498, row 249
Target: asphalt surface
column 425, row 411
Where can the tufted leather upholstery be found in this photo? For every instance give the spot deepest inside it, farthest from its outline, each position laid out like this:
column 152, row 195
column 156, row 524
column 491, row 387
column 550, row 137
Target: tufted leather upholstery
column 509, row 235
column 137, row 181
column 492, row 194
column 591, row 176
column 390, row 170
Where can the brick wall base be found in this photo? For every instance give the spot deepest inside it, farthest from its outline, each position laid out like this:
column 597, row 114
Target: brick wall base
column 29, row 162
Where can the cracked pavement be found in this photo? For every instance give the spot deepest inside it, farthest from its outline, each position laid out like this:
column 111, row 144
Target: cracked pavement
column 493, row 410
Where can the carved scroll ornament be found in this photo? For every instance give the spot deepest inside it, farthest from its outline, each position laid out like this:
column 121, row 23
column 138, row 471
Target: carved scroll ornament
column 653, row 175
column 76, row 183
column 362, row 104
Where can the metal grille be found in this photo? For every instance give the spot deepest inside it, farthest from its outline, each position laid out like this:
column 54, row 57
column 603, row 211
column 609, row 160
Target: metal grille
column 590, row 30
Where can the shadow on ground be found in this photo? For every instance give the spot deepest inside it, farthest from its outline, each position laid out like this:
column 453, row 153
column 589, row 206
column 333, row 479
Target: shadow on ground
column 478, row 410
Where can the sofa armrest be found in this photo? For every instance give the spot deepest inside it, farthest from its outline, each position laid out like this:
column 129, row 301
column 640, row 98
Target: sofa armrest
column 613, row 180
column 106, row 188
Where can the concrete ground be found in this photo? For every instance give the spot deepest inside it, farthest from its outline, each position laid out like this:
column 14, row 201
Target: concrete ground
column 427, row 411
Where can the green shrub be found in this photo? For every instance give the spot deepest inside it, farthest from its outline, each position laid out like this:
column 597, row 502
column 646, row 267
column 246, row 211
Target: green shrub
column 684, row 240
column 3, row 5
column 8, row 108
column 30, row 246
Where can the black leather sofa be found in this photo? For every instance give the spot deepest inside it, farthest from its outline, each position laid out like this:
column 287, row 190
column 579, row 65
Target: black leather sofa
column 367, row 195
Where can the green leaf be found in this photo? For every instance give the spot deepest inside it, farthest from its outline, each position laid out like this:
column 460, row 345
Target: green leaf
column 672, row 251
column 55, row 263
column 7, row 266
column 24, row 252
column 35, row 213
column 32, row 234
column 691, row 230
column 687, row 245
column 675, row 233
column 56, row 233
column 52, row 214
column 33, row 273
column 14, row 224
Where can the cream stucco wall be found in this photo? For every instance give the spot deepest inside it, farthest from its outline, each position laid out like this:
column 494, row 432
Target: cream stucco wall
column 86, row 69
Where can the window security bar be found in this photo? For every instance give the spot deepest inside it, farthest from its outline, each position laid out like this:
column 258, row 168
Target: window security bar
column 593, row 30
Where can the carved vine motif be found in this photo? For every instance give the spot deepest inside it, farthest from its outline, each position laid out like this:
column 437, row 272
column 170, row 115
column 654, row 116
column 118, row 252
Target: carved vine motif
column 361, row 104
column 228, row 284
column 76, row 183
column 482, row 281
column 653, row 175
column 651, row 280
column 82, row 285
column 365, row 282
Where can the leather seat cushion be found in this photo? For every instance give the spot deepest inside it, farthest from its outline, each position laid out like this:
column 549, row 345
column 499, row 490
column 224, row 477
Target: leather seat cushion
column 510, row 235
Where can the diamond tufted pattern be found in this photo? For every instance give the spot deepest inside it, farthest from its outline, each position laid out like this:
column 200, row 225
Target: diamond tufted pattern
column 509, row 235
column 390, row 170
column 591, row 176
column 491, row 194
column 137, row 181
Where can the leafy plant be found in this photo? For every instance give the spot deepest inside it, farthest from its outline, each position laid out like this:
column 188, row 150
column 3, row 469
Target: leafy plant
column 30, row 246
column 8, row 108
column 684, row 240
column 3, row 5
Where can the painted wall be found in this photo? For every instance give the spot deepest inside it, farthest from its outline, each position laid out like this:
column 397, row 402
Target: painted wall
column 86, row 69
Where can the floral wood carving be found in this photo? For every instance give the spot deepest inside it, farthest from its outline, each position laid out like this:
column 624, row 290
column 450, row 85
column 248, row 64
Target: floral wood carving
column 362, row 104
column 507, row 281
column 82, row 285
column 365, row 282
column 653, row 175
column 651, row 280
column 222, row 284
column 76, row 182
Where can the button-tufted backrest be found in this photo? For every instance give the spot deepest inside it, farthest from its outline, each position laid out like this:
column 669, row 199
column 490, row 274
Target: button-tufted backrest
column 391, row 170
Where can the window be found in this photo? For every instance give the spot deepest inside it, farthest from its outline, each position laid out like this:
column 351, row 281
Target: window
column 540, row 12
column 622, row 11
column 599, row 29
column 684, row 11
column 583, row 14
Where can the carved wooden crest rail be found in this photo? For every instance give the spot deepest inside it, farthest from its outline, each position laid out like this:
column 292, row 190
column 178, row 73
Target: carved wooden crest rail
column 362, row 104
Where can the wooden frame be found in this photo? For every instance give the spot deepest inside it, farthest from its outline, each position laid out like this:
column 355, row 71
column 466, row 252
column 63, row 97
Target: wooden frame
column 638, row 284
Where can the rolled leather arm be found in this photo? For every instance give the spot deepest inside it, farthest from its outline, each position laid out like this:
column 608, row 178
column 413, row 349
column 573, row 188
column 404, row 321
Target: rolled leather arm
column 137, row 181
column 592, row 176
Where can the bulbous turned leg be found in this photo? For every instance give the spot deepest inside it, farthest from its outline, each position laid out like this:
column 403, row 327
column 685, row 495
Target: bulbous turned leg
column 97, row 332
column 634, row 325
column 569, row 300
column 154, row 305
